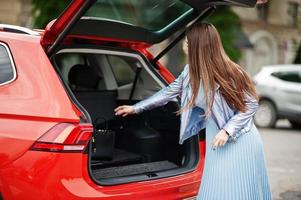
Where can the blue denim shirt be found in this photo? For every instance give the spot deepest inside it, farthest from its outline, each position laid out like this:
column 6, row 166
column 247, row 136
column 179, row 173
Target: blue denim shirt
column 192, row 120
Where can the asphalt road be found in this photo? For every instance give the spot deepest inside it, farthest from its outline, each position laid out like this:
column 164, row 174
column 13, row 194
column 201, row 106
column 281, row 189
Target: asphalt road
column 282, row 147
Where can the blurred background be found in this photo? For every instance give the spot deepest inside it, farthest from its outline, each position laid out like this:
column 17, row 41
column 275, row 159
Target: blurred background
column 268, row 34
column 266, row 41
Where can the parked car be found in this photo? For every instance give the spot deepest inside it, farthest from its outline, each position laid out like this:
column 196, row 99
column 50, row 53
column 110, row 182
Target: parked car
column 279, row 88
column 58, row 91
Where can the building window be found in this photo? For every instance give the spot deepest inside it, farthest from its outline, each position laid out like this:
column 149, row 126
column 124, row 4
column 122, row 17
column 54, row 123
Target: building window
column 293, row 9
column 7, row 68
column 262, row 11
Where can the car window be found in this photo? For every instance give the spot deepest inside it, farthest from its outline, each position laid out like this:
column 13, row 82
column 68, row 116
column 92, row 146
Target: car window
column 67, row 61
column 151, row 14
column 7, row 70
column 292, row 76
column 122, row 70
column 116, row 73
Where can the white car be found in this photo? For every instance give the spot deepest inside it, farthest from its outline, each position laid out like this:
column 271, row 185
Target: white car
column 279, row 89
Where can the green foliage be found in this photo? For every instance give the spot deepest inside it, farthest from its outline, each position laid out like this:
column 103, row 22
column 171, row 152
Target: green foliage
column 298, row 56
column 228, row 25
column 46, row 10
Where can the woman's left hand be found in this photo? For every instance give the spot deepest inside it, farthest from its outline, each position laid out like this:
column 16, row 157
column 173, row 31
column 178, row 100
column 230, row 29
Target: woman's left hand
column 220, row 139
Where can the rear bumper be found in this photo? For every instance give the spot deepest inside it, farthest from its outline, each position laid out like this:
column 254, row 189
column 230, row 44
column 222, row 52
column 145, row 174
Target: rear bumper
column 44, row 175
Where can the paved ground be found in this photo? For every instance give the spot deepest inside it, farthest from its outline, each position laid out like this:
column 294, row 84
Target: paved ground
column 283, row 155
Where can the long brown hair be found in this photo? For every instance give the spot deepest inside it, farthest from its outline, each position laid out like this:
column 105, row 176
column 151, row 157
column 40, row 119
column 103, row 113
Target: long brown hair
column 210, row 66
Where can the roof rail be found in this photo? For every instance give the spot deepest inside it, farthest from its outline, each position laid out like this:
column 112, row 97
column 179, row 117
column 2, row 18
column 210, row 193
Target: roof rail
column 17, row 29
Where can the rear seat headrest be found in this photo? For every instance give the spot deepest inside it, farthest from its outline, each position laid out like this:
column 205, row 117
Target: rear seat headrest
column 83, row 76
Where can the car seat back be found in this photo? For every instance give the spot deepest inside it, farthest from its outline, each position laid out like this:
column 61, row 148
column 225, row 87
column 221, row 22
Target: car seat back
column 99, row 103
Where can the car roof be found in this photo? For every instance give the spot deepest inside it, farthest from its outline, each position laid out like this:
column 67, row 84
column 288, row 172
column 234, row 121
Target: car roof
column 6, row 37
column 18, row 29
column 281, row 67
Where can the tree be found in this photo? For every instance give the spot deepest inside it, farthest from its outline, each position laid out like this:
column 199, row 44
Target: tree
column 228, row 25
column 44, row 11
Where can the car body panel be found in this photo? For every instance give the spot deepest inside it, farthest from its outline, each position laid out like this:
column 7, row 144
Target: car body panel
column 37, row 84
column 17, row 136
column 53, row 176
column 31, row 104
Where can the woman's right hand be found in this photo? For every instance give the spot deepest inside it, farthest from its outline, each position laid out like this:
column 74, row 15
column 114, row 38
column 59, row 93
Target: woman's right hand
column 124, row 110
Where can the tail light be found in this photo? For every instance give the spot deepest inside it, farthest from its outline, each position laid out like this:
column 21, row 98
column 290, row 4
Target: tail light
column 65, row 137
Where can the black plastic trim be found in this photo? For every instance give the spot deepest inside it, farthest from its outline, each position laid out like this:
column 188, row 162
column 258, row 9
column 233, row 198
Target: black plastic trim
column 202, row 135
column 88, row 26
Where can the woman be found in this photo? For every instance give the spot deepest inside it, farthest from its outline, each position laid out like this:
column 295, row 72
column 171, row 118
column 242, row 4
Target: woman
column 218, row 95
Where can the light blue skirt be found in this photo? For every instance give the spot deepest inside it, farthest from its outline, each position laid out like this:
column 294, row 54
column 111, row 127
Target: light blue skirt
column 236, row 171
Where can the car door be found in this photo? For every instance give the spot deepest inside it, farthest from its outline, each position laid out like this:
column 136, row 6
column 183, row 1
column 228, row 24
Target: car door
column 144, row 22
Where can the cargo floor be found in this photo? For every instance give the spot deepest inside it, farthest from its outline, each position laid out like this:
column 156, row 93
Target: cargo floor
column 133, row 169
column 121, row 157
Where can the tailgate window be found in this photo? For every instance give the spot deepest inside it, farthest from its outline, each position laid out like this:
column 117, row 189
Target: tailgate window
column 151, row 14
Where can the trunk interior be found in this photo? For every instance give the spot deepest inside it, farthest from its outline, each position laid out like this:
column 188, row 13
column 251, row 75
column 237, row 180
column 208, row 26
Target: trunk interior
column 131, row 148
column 143, row 144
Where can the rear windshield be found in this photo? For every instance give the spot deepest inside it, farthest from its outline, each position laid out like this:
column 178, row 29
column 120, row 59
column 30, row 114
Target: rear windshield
column 153, row 15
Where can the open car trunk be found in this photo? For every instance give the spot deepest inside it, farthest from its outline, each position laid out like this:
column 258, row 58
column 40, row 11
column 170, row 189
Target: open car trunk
column 135, row 147
column 138, row 147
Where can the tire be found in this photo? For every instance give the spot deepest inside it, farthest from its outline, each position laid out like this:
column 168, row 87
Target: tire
column 266, row 115
column 295, row 124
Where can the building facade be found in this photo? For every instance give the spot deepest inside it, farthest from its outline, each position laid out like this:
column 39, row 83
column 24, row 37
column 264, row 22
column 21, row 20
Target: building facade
column 274, row 29
column 15, row 12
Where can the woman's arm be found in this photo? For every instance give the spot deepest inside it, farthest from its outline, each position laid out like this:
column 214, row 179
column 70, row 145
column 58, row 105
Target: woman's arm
column 158, row 99
column 242, row 119
column 163, row 96
column 239, row 121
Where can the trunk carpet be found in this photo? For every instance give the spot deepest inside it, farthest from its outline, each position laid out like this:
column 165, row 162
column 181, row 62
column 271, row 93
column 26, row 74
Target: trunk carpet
column 121, row 157
column 141, row 168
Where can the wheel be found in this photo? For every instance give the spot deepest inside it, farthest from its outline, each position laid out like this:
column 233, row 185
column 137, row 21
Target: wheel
column 266, row 115
column 295, row 124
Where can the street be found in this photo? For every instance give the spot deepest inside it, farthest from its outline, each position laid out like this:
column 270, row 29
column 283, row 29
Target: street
column 282, row 151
